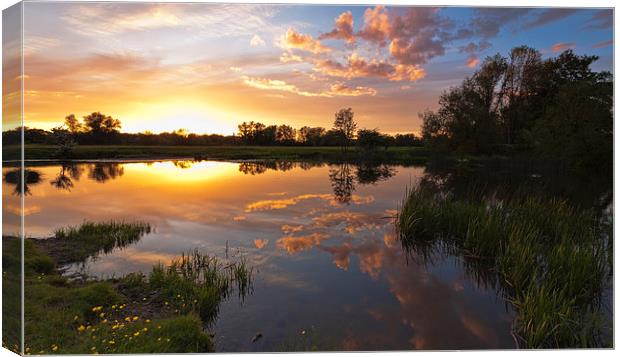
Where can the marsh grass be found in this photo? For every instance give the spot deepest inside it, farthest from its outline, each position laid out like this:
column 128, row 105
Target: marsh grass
column 548, row 257
column 77, row 243
column 194, row 283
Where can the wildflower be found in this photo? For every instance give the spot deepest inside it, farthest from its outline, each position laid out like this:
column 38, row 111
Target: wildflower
column 93, row 348
column 136, row 334
column 148, row 321
column 97, row 308
column 178, row 296
column 167, row 340
column 75, row 318
column 165, row 302
column 158, row 327
column 27, row 349
column 54, row 348
column 104, row 321
column 128, row 319
column 135, row 318
column 143, row 299
column 81, row 328
column 158, row 339
column 113, row 307
column 102, row 314
column 111, row 342
column 145, row 329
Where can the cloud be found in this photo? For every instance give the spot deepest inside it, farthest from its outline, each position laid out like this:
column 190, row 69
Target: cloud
column 376, row 26
column 257, row 41
column 294, row 39
column 548, row 16
column 562, row 46
column 260, row 243
column 487, row 22
column 289, row 57
column 341, row 89
column 359, row 67
column 294, row 245
column 268, row 205
column 235, row 69
column 602, row 19
column 603, row 44
column 472, row 61
column 335, row 90
column 416, row 51
column 343, row 29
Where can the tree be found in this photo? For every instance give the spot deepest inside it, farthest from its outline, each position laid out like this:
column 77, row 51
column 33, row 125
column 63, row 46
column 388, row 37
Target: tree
column 370, row 139
column 102, row 128
column 65, row 142
column 345, row 126
column 311, row 136
column 73, row 124
column 285, row 134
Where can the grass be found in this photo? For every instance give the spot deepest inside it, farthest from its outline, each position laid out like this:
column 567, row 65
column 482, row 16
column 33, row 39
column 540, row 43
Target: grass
column 393, row 154
column 549, row 258
column 76, row 243
column 165, row 313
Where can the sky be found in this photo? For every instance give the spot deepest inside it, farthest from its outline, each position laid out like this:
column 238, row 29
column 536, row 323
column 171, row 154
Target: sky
column 207, row 67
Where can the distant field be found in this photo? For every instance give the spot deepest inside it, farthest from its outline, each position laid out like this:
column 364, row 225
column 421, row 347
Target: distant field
column 396, row 154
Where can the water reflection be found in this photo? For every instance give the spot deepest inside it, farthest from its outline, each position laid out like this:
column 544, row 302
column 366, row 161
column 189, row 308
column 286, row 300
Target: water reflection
column 320, row 236
column 13, row 177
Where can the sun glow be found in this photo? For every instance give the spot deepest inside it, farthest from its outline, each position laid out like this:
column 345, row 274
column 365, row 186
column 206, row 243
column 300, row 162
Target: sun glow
column 170, row 116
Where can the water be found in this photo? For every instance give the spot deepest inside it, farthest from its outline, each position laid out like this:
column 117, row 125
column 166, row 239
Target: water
column 329, row 272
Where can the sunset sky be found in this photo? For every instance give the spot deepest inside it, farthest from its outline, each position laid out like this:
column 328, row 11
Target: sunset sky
column 206, row 67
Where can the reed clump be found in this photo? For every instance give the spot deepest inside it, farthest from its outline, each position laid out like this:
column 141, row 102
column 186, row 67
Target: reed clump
column 549, row 258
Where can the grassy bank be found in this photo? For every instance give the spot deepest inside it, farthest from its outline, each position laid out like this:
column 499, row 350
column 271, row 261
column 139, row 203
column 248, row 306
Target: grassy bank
column 549, row 259
column 84, row 152
column 164, row 312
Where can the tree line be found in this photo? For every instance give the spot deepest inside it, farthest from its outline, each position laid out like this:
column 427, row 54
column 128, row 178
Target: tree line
column 557, row 108
column 100, row 129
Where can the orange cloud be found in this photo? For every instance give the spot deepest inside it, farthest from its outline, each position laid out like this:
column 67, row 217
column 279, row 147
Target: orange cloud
column 376, row 25
column 341, row 89
column 562, row 46
column 261, row 243
column 288, row 57
column 336, row 90
column 343, row 28
column 294, row 245
column 472, row 61
column 294, row 39
column 359, row 67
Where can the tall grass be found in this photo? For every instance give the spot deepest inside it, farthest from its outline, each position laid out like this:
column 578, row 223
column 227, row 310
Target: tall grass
column 198, row 283
column 550, row 259
column 89, row 238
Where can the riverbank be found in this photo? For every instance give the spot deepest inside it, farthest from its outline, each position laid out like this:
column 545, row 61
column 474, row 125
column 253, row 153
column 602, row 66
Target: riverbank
column 97, row 152
column 165, row 311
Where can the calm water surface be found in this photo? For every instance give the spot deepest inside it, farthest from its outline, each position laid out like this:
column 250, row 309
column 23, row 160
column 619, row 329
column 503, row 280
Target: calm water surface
column 329, row 270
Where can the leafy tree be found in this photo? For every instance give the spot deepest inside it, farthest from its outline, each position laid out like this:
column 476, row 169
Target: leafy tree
column 370, row 139
column 345, row 126
column 285, row 134
column 73, row 124
column 65, row 142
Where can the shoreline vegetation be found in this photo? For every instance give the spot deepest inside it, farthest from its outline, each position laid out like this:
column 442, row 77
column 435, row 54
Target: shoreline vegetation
column 548, row 259
column 167, row 311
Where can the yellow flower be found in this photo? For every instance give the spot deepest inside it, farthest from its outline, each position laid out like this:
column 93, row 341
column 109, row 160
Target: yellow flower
column 75, row 318
column 178, row 296
column 97, row 308
column 27, row 349
column 158, row 338
column 158, row 326
column 81, row 328
column 137, row 333
column 104, row 321
column 111, row 342
column 114, row 307
column 148, row 321
column 102, row 314
column 135, row 318
column 167, row 340
column 165, row 302
column 127, row 318
column 93, row 348
column 145, row 329
column 54, row 348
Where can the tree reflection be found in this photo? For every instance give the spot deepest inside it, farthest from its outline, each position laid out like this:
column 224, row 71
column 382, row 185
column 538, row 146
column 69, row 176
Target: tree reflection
column 342, row 181
column 368, row 173
column 14, row 177
column 68, row 173
column 104, row 171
